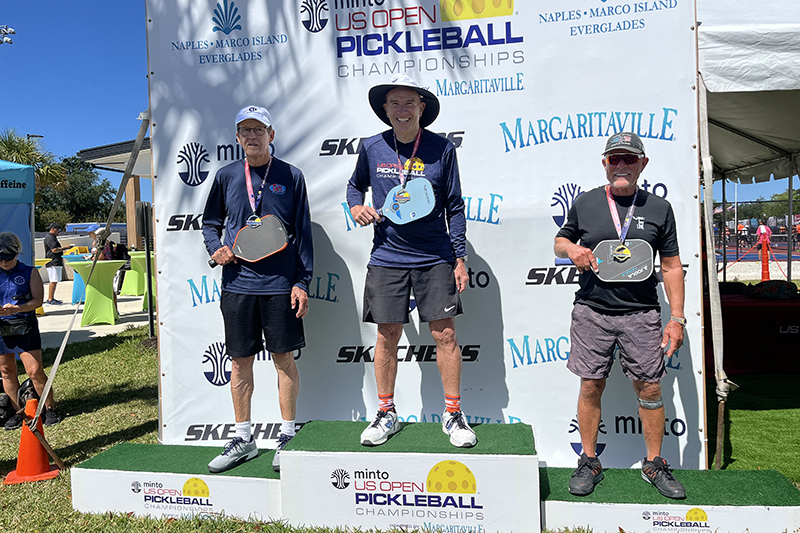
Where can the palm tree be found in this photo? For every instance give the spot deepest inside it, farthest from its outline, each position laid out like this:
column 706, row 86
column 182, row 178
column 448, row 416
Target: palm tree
column 29, row 151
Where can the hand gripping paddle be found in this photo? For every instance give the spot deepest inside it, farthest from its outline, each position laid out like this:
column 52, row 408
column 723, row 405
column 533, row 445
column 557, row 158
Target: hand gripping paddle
column 409, row 203
column 621, row 262
column 260, row 238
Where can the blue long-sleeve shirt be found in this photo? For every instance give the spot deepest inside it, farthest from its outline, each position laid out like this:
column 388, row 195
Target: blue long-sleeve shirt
column 284, row 196
column 440, row 236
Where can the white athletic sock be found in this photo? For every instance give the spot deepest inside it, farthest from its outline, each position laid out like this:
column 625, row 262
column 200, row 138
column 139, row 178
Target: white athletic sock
column 243, row 430
column 287, row 427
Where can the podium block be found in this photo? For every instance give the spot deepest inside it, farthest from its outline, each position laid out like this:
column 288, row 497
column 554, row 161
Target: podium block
column 727, row 501
column 416, row 480
column 173, row 481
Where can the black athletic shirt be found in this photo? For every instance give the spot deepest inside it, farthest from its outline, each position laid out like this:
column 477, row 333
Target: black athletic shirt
column 50, row 242
column 589, row 221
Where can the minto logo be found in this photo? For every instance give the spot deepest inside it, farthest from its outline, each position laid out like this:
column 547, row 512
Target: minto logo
column 340, row 479
column 226, row 18
column 314, row 11
column 475, row 9
column 220, row 362
column 193, row 155
column 562, row 201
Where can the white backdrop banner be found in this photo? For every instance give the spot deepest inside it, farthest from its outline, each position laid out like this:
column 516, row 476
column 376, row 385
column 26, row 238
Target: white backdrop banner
column 530, row 91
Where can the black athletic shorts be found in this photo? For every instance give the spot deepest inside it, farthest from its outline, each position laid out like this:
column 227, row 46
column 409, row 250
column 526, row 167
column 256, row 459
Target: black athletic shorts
column 248, row 316
column 387, row 293
column 26, row 343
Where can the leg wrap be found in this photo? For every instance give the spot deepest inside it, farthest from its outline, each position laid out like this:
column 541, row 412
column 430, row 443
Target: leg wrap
column 652, row 405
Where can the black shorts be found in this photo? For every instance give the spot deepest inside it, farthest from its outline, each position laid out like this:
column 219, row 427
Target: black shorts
column 387, row 293
column 248, row 317
column 26, row 343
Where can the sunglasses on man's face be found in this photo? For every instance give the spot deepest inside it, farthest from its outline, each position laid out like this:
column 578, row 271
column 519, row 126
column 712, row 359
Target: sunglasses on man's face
column 629, row 159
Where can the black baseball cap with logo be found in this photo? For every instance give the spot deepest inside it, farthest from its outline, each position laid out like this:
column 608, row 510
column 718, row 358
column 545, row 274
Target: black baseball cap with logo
column 626, row 141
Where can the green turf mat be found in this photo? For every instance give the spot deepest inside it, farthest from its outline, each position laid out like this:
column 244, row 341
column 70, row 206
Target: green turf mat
column 493, row 439
column 192, row 460
column 703, row 487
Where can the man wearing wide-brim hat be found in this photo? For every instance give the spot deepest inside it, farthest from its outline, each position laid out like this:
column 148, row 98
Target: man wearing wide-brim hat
column 420, row 250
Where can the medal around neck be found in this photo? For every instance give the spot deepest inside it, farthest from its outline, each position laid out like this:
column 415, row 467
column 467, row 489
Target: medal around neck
column 619, row 262
column 409, row 203
column 258, row 239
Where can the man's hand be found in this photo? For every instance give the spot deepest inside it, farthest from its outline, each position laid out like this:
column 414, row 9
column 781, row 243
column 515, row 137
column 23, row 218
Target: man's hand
column 673, row 336
column 223, row 256
column 300, row 301
column 364, row 215
column 462, row 278
column 9, row 309
column 581, row 257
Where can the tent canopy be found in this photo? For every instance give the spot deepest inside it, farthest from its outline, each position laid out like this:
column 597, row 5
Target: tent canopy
column 750, row 62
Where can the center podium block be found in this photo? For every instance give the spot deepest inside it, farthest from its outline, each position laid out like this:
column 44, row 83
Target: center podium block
column 416, row 480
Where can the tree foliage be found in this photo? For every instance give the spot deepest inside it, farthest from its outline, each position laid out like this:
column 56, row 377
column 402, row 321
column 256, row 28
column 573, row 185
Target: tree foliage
column 85, row 197
column 29, row 151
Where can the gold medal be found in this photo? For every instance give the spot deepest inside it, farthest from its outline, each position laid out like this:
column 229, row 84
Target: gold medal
column 621, row 253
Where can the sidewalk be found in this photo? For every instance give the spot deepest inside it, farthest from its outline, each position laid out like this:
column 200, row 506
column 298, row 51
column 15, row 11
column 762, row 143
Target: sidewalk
column 54, row 324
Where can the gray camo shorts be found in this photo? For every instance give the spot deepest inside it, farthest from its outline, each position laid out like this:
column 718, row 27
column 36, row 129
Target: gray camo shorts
column 594, row 336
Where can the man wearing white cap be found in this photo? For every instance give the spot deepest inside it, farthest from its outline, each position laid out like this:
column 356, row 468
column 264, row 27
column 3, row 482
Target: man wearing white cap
column 264, row 299
column 426, row 254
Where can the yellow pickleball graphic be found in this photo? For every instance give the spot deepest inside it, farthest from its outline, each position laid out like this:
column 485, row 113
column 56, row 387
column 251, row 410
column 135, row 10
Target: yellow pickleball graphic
column 195, row 487
column 696, row 515
column 451, row 476
column 416, row 165
column 473, row 9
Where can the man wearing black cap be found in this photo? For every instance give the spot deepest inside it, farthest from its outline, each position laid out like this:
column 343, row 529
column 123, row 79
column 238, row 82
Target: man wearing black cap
column 263, row 300
column 53, row 251
column 623, row 314
column 426, row 254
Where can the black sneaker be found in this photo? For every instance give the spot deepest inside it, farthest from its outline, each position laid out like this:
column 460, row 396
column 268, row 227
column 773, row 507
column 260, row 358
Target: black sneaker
column 56, row 302
column 15, row 422
column 588, row 474
column 657, row 472
column 283, row 440
column 51, row 417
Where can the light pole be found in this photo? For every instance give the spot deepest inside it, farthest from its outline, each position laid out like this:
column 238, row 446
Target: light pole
column 33, row 136
column 5, row 31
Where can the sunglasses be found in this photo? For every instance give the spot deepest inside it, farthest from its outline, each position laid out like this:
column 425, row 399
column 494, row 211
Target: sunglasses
column 629, row 159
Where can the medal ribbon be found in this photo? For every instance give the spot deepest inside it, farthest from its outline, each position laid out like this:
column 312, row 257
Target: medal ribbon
column 255, row 201
column 622, row 231
column 403, row 171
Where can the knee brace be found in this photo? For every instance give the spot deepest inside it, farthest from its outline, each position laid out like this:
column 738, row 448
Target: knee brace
column 652, row 405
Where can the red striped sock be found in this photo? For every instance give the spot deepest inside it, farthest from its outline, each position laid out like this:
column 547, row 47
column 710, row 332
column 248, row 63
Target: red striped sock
column 386, row 402
column 453, row 403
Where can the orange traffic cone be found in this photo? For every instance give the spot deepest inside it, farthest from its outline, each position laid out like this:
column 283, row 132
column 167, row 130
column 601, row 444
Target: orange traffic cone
column 33, row 464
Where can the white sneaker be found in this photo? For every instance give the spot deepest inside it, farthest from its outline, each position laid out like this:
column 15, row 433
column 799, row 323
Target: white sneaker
column 237, row 451
column 384, row 426
column 456, row 426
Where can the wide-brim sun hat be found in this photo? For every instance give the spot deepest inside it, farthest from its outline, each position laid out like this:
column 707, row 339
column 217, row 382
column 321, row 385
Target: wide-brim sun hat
column 377, row 97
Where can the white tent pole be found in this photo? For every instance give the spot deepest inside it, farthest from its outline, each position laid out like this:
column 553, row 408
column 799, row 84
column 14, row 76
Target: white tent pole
column 724, row 386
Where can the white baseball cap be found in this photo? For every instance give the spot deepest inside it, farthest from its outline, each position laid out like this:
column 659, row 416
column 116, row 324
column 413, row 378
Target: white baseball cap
column 256, row 113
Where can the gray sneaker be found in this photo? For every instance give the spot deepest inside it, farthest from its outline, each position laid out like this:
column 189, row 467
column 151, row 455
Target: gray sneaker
column 283, row 440
column 384, row 426
column 237, row 451
column 461, row 434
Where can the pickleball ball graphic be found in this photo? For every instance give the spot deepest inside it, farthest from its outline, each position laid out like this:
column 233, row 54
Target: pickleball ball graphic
column 195, row 487
column 453, row 477
column 696, row 515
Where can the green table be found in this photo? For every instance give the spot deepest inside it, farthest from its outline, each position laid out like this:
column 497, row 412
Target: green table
column 134, row 283
column 99, row 307
column 138, row 264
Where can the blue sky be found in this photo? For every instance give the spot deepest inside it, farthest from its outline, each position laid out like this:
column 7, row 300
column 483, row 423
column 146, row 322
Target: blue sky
column 76, row 74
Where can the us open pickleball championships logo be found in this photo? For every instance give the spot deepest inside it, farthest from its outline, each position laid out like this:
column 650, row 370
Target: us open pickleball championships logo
column 340, row 479
column 451, row 476
column 314, row 11
column 193, row 155
column 474, row 9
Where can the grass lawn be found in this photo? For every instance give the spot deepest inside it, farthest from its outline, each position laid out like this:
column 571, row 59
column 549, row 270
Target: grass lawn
column 107, row 388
